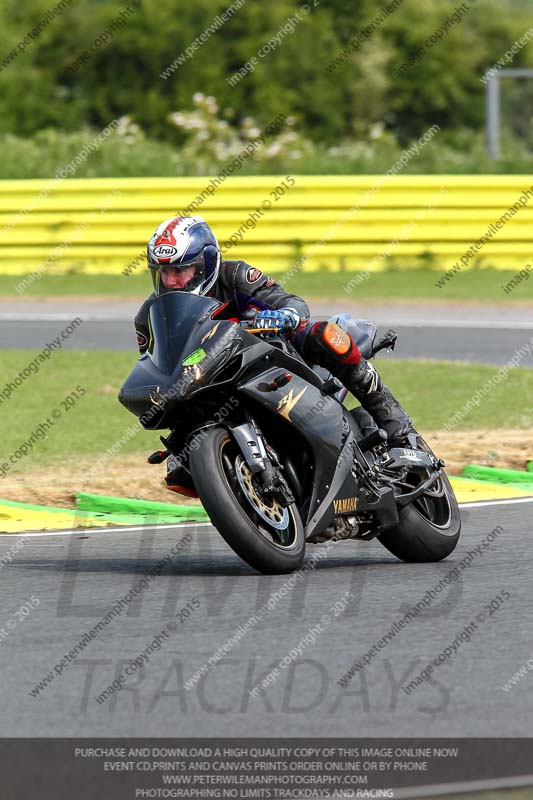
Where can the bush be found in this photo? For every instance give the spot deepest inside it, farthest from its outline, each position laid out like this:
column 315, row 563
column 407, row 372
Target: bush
column 210, row 141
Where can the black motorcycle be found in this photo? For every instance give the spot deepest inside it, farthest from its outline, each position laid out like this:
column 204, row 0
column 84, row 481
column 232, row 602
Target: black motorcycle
column 267, row 445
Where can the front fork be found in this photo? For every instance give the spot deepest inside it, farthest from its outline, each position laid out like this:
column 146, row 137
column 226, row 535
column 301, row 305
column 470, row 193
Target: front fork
column 262, row 461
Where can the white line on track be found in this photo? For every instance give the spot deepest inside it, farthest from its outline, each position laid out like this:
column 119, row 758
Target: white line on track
column 456, row 323
column 112, row 529
column 28, row 317
column 482, row 503
column 171, row 525
column 461, row 788
column 401, row 323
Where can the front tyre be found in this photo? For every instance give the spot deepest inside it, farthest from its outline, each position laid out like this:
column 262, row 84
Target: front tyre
column 267, row 536
column 429, row 528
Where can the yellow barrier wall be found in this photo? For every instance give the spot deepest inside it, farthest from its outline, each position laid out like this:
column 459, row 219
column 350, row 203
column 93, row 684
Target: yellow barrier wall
column 335, row 222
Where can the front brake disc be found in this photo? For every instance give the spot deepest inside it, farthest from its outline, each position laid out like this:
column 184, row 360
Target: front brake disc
column 274, row 515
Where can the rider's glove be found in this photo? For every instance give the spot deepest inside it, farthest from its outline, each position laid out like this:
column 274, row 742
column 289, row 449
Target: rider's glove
column 282, row 319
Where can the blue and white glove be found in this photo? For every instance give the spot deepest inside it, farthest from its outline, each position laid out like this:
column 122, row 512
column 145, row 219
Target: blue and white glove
column 282, row 319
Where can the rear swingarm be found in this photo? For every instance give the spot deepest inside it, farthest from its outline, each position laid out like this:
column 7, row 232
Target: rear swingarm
column 405, row 499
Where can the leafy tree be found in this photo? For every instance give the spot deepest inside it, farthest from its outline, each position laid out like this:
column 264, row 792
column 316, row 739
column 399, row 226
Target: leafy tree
column 39, row 88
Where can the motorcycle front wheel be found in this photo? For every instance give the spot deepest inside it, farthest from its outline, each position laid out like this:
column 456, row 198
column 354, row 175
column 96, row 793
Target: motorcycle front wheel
column 269, row 537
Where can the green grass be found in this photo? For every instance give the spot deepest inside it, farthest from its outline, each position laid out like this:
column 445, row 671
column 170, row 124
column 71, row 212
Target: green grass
column 432, row 392
column 413, row 284
column 73, row 284
column 418, row 284
column 91, row 426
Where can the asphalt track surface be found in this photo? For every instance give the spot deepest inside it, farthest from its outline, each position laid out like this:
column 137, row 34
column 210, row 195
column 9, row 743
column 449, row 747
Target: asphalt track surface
column 78, row 577
column 479, row 334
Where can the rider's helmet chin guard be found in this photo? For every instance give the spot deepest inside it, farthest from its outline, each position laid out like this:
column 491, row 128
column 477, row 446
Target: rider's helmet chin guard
column 187, row 250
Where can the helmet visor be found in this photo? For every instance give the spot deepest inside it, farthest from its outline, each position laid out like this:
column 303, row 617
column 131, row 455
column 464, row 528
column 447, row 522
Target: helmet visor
column 183, row 278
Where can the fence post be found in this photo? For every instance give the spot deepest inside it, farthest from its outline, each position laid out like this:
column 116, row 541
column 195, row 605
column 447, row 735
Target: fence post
column 492, row 111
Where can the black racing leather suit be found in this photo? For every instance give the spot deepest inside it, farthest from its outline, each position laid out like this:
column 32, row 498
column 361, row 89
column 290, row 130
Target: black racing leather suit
column 245, row 289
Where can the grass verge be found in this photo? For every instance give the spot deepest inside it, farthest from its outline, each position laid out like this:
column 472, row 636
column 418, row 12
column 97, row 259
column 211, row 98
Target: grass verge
column 410, row 284
column 61, row 463
column 431, row 391
column 85, row 428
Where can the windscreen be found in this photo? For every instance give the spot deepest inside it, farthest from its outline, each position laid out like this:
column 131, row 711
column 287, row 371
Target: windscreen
column 173, row 317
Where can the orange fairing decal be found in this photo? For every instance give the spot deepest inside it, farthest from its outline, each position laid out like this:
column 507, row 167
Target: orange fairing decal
column 336, row 338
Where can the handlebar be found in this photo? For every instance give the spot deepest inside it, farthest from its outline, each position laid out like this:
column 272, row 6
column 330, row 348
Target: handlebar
column 261, row 330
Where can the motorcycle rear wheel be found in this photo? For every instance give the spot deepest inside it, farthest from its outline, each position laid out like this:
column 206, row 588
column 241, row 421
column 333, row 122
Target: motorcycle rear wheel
column 429, row 528
column 268, row 537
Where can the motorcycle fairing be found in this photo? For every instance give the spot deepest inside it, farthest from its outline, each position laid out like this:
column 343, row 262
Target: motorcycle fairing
column 187, row 349
column 319, row 420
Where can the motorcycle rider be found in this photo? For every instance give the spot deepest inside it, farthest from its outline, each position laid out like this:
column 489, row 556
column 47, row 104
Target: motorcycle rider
column 183, row 255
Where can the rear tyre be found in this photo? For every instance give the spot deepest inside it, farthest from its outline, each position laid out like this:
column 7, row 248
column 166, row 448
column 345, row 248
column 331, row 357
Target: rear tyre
column 429, row 528
column 267, row 536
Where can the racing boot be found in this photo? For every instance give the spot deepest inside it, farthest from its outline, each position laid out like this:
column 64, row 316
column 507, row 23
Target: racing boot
column 363, row 381
column 178, row 479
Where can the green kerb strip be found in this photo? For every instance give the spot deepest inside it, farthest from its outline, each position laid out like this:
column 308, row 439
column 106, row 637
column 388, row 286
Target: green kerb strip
column 507, row 476
column 124, row 505
column 82, row 516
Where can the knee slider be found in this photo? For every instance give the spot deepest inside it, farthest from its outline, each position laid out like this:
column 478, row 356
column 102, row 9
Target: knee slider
column 337, row 342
